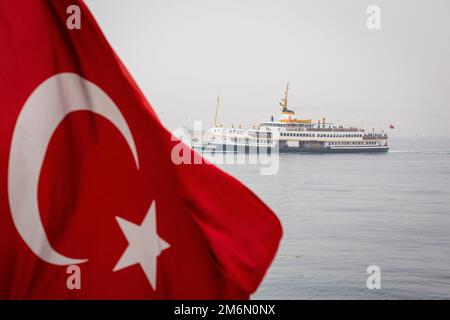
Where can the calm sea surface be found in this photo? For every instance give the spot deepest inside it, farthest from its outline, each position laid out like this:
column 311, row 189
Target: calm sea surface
column 342, row 213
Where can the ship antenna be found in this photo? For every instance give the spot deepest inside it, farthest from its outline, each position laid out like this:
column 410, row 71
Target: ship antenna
column 284, row 101
column 217, row 110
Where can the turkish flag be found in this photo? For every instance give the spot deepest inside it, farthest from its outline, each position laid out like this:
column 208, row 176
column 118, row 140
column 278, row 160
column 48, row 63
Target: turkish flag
column 91, row 204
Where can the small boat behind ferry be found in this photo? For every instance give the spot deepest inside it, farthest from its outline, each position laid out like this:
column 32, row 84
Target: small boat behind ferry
column 290, row 134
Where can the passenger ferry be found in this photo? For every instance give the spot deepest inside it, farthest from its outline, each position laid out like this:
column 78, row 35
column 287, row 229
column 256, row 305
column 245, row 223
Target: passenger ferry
column 290, row 134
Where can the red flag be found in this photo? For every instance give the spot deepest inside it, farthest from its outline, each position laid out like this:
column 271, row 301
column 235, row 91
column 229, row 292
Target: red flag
column 91, row 204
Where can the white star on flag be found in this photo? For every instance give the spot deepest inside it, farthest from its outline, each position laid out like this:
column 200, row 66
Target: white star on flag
column 144, row 245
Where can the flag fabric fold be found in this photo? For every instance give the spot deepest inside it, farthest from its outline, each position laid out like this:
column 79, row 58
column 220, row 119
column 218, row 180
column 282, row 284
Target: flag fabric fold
column 91, row 204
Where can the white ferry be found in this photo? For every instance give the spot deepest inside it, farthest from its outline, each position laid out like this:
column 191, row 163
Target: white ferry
column 290, row 134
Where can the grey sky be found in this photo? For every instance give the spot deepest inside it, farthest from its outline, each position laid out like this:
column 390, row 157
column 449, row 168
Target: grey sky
column 183, row 53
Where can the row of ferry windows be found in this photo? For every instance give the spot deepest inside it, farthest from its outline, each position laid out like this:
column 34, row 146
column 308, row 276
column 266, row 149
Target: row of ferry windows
column 236, row 140
column 322, row 135
column 357, row 143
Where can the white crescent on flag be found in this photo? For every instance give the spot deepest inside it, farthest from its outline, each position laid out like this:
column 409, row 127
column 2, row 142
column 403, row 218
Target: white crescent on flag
column 48, row 105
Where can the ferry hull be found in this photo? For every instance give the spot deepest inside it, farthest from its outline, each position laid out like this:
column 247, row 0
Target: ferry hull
column 329, row 150
column 269, row 150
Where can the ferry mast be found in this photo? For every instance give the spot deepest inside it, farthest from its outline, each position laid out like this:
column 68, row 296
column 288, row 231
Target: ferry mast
column 217, row 110
column 284, row 101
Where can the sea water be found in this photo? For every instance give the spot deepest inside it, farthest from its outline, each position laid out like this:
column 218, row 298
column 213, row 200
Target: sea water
column 342, row 213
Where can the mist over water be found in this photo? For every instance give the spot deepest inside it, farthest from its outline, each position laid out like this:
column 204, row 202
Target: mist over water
column 341, row 213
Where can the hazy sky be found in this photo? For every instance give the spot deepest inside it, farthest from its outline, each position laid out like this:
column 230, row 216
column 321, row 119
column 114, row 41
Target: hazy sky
column 183, row 53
